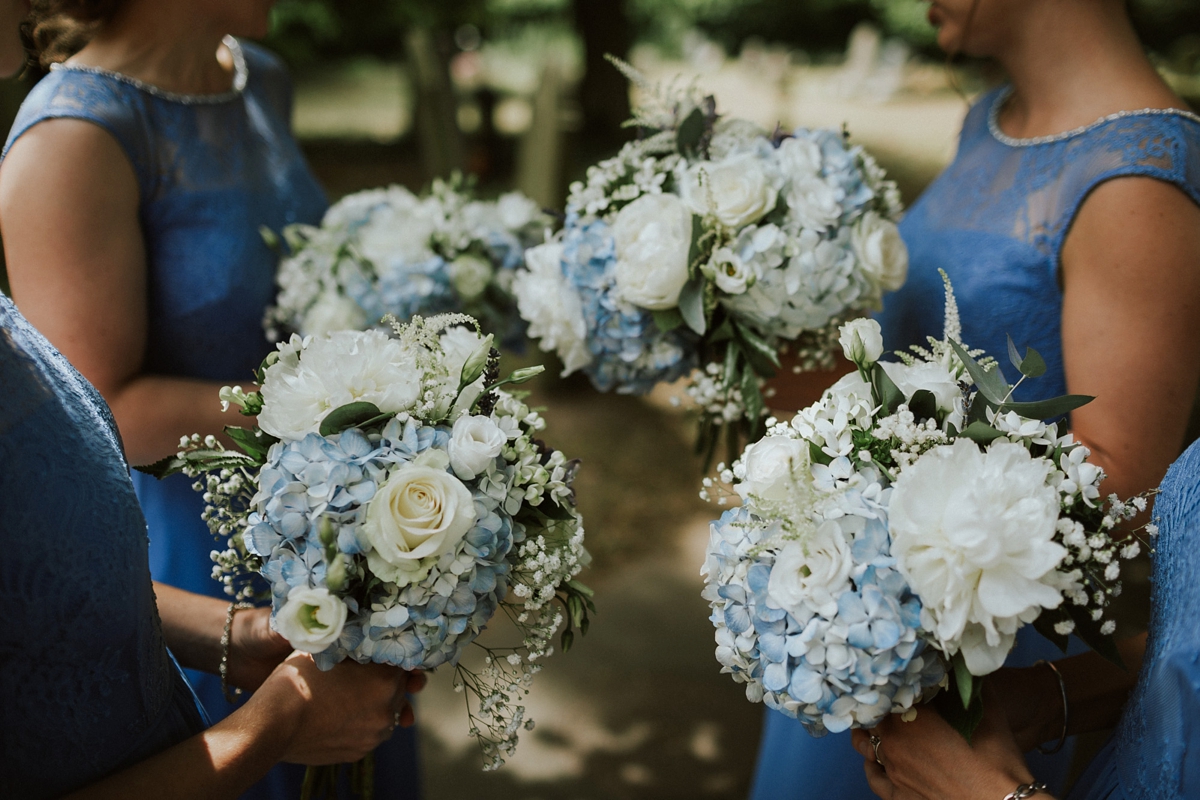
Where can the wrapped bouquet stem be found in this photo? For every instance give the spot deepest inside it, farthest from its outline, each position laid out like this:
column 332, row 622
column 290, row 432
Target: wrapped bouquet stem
column 703, row 248
column 894, row 537
column 391, row 499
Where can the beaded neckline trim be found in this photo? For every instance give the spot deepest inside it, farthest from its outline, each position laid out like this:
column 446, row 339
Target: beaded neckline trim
column 1003, row 138
column 240, row 75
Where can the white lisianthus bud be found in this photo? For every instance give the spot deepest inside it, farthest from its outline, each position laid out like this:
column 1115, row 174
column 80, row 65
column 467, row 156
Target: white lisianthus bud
column 862, row 341
column 470, row 276
column 881, row 251
column 311, row 619
column 729, row 272
column 420, row 513
column 653, row 235
column 474, row 444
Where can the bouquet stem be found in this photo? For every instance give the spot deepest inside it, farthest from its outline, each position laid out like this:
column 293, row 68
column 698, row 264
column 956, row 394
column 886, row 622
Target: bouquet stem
column 321, row 783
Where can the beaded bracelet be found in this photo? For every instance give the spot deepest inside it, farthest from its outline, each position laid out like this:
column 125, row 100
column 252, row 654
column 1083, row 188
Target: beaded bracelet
column 226, row 636
column 1025, row 790
column 1062, row 689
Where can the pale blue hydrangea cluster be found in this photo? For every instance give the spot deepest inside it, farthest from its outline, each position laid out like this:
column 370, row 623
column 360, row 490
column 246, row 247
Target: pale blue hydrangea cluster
column 834, row 668
column 317, row 478
column 629, row 352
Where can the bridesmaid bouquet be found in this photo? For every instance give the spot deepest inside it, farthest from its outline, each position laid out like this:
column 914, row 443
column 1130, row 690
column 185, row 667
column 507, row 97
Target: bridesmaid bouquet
column 388, row 251
column 896, row 535
column 706, row 246
column 394, row 497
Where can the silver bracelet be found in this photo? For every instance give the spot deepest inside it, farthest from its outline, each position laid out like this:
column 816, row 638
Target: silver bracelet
column 1062, row 690
column 1025, row 790
column 226, row 636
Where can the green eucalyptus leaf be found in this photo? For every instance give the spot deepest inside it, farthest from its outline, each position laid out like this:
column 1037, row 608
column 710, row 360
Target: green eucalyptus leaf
column 668, row 319
column 990, row 382
column 752, row 399
column 733, row 363
column 690, row 132
column 348, row 416
column 691, row 305
column 981, row 433
column 553, row 511
column 962, row 707
column 722, row 333
column 923, row 405
column 761, row 356
column 964, row 681
column 1031, row 366
column 252, row 441
column 887, row 394
column 1049, row 409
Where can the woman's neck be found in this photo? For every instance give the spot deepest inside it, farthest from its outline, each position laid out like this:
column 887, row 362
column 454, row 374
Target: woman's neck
column 1072, row 63
column 162, row 44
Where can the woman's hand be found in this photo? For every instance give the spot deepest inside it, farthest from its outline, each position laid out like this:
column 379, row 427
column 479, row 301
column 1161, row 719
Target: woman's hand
column 926, row 759
column 254, row 649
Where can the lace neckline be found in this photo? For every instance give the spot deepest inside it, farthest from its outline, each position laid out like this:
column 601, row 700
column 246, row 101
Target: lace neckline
column 241, row 74
column 1000, row 136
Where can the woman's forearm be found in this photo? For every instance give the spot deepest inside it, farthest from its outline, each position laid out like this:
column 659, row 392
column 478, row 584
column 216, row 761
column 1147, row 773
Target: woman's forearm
column 221, row 762
column 192, row 626
column 153, row 412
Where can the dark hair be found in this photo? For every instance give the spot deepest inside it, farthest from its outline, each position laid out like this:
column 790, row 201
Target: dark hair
column 58, row 29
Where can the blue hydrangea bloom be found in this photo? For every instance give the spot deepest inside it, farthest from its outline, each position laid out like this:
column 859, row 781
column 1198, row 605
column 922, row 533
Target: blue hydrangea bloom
column 630, row 353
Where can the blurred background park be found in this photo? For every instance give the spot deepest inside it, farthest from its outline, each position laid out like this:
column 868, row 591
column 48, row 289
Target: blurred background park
column 518, row 94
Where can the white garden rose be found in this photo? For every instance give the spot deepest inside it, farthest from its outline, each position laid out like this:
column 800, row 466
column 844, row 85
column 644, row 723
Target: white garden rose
column 548, row 302
column 475, row 442
column 925, row 375
column 311, row 619
column 470, row 276
column 811, row 573
column 881, row 251
column 729, row 272
column 515, row 210
column 973, row 534
column 812, row 201
column 418, row 514
column 653, row 235
column 333, row 312
column 737, row 190
column 862, row 341
column 772, row 468
column 330, row 371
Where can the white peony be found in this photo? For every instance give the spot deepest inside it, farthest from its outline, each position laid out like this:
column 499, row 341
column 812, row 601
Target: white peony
column 332, row 370
column 475, row 441
column 811, row 573
column 311, row 619
column 862, row 341
column 973, row 534
column 737, row 190
column 813, row 202
column 931, row 377
column 653, row 235
column 333, row 312
column 418, row 514
column 881, row 251
column 730, row 273
column 470, row 276
column 551, row 306
column 773, row 466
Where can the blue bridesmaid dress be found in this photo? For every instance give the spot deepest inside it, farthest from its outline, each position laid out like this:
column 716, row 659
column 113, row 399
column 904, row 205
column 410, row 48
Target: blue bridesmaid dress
column 995, row 221
column 211, row 171
column 87, row 686
column 1155, row 752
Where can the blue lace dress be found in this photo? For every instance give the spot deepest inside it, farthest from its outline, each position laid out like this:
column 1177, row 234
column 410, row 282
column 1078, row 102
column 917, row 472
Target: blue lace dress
column 1155, row 752
column 211, row 170
column 87, row 686
column 995, row 221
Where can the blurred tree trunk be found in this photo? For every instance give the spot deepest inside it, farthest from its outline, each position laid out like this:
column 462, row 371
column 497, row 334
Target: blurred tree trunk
column 436, row 107
column 605, row 28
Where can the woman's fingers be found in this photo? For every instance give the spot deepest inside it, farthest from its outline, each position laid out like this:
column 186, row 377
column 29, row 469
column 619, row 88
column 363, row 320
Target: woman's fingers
column 877, row 778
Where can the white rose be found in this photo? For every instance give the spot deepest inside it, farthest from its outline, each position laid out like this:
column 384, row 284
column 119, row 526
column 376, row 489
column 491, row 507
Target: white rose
column 311, row 619
column 333, row 312
column 811, row 573
column 812, row 201
column 862, row 341
column 881, row 251
column 474, row 444
column 515, row 210
column 653, row 235
column 551, row 306
column 737, row 191
column 973, row 534
column 773, row 466
column 470, row 276
column 330, row 371
column 418, row 514
column 730, row 273
column 931, row 377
